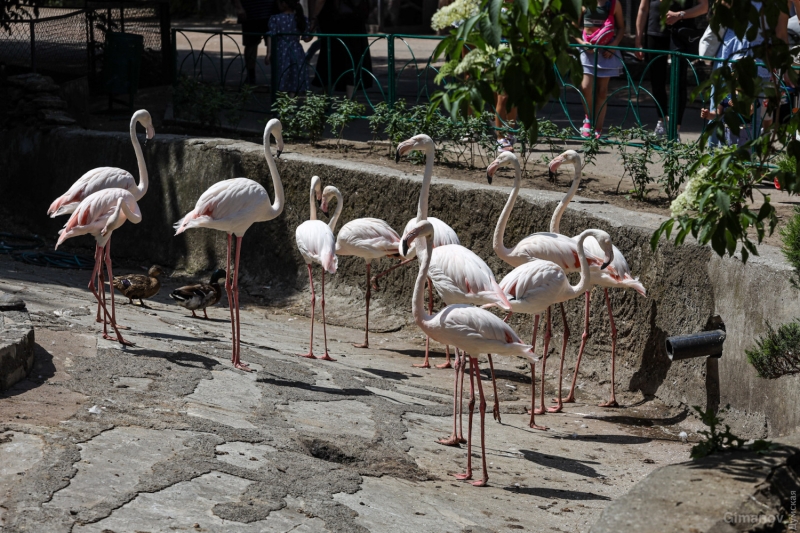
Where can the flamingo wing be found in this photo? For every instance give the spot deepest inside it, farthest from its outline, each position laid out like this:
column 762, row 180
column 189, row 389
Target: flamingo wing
column 534, row 286
column 560, row 249
column 228, row 205
column 442, row 235
column 94, row 180
column 93, row 212
column 617, row 274
column 477, row 331
column 316, row 244
column 460, row 276
column 369, row 238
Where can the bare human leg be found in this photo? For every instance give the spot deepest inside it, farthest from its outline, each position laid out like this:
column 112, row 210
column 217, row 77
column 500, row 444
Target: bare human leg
column 468, row 473
column 571, row 396
column 559, row 405
column 366, row 324
column 326, row 356
column 482, row 409
column 612, row 402
column 238, row 362
column 310, row 353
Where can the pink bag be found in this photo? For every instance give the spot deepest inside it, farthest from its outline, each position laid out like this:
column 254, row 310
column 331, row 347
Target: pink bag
column 605, row 33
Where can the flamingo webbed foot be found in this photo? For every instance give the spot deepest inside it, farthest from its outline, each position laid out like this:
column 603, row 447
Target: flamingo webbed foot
column 557, row 409
column 445, row 365
column 481, row 483
column 463, row 477
column 364, row 345
column 610, row 403
column 243, row 367
column 422, row 365
column 568, row 399
column 118, row 339
column 326, row 357
column 536, row 426
column 309, row 355
column 452, row 440
column 539, row 411
column 496, row 413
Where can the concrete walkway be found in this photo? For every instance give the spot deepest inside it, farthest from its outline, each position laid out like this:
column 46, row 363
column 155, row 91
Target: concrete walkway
column 167, row 436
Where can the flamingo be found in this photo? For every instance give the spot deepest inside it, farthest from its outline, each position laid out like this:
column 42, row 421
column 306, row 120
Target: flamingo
column 102, row 178
column 560, row 249
column 233, row 206
column 108, row 177
column 98, row 215
column 367, row 238
column 444, row 234
column 317, row 245
column 471, row 329
column 535, row 286
column 618, row 276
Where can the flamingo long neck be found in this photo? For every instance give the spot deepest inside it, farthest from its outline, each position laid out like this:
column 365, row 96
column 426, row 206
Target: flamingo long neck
column 422, row 206
column 339, row 204
column 500, row 230
column 144, row 182
column 312, row 201
column 555, row 222
column 277, row 206
column 417, row 300
column 584, row 283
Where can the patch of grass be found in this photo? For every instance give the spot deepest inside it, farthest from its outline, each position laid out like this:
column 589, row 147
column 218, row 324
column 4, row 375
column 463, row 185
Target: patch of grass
column 777, row 353
column 718, row 441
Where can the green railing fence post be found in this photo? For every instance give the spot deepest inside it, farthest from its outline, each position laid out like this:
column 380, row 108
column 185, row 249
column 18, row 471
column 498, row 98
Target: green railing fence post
column 593, row 111
column 392, row 73
column 221, row 60
column 330, row 84
column 174, row 56
column 674, row 89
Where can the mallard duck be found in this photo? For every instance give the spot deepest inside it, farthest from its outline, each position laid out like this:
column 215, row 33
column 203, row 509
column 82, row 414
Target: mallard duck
column 138, row 286
column 201, row 295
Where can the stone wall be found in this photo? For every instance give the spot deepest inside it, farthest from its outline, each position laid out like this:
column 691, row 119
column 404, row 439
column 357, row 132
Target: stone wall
column 686, row 286
column 16, row 341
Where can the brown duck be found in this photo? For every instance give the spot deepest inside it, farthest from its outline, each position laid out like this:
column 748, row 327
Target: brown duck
column 201, row 295
column 139, row 286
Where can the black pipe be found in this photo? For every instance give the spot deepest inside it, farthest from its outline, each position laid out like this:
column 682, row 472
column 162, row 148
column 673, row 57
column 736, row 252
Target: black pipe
column 696, row 345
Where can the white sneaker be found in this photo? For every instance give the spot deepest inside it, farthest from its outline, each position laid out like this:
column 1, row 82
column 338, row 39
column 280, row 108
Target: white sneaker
column 586, row 130
column 660, row 131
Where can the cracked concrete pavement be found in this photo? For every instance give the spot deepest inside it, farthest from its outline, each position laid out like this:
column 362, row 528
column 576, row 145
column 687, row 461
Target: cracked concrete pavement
column 181, row 441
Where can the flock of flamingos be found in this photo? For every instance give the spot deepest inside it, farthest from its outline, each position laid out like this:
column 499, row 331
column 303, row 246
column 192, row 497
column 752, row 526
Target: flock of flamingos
column 104, row 198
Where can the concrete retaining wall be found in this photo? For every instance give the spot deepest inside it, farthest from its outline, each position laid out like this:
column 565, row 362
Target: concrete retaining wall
column 686, row 286
column 16, row 341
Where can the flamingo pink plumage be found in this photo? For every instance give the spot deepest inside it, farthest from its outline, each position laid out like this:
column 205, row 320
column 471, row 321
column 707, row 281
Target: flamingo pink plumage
column 99, row 214
column 554, row 247
column 367, row 238
column 316, row 244
column 471, row 329
column 233, row 206
column 618, row 275
column 538, row 284
column 109, row 177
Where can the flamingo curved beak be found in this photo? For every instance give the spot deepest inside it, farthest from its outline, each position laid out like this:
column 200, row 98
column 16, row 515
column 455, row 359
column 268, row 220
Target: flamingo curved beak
column 402, row 149
column 604, row 265
column 553, row 167
column 151, row 132
column 404, row 247
column 323, row 205
column 491, row 170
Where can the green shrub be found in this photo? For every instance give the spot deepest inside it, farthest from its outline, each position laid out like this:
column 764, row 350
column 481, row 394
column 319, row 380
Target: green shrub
column 344, row 112
column 790, row 235
column 676, row 159
column 716, row 441
column 206, row 103
column 301, row 117
column 285, row 107
column 777, row 353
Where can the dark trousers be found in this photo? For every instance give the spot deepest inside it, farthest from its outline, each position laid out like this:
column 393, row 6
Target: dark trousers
column 660, row 76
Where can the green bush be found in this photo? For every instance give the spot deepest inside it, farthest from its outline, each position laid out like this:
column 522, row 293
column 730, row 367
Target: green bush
column 717, row 441
column 344, row 112
column 790, row 235
column 206, row 104
column 301, row 117
column 777, row 353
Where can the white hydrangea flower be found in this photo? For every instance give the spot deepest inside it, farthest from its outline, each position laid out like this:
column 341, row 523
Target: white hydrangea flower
column 474, row 57
column 454, row 14
column 687, row 200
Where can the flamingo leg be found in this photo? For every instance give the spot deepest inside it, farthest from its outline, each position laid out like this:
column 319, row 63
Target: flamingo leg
column 231, row 301
column 113, row 321
column 426, row 363
column 612, row 402
column 453, row 439
column 547, row 334
column 496, row 408
column 111, row 287
column 100, row 283
column 238, row 362
column 559, row 404
column 482, row 409
column 571, row 396
column 468, row 473
column 310, row 353
column 446, row 363
column 98, row 262
column 379, row 276
column 366, row 324
column 533, row 374
column 461, row 438
column 327, row 356
column 532, row 424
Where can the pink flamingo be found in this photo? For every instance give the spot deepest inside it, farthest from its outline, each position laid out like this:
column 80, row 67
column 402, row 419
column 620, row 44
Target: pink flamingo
column 102, row 178
column 471, row 329
column 444, row 234
column 98, row 215
column 233, row 206
column 367, row 238
column 317, row 245
column 560, row 249
column 617, row 276
column 538, row 284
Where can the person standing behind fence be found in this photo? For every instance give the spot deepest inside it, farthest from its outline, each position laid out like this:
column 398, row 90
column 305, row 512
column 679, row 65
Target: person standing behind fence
column 342, row 60
column 254, row 16
column 603, row 25
column 286, row 53
column 650, row 31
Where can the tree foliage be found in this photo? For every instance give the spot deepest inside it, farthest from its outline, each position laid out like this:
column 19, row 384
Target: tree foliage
column 14, row 10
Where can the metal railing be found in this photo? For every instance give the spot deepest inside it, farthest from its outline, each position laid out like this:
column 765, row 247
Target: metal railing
column 409, row 71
